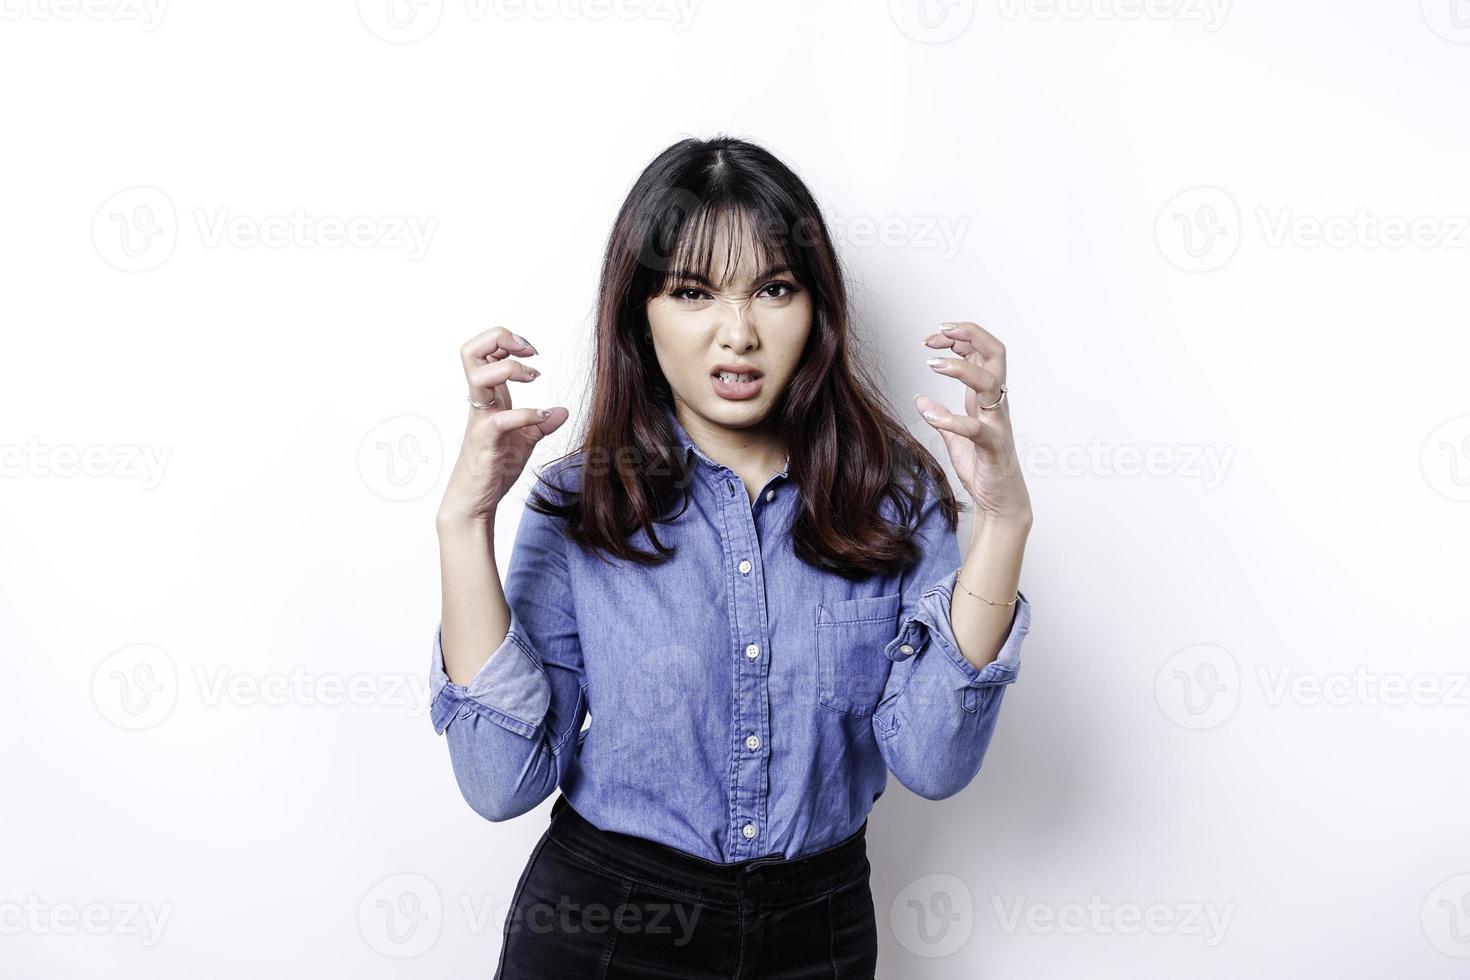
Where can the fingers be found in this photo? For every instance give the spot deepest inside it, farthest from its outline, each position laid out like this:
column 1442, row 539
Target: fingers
column 536, row 422
column 967, row 338
column 493, row 345
column 487, row 365
column 951, row 426
column 982, row 381
column 488, row 380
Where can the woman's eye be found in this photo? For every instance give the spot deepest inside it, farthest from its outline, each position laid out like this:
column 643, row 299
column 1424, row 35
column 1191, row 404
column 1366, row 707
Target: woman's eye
column 778, row 290
column 688, row 294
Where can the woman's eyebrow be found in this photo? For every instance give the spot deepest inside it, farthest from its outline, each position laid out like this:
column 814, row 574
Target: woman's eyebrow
column 697, row 279
column 693, row 278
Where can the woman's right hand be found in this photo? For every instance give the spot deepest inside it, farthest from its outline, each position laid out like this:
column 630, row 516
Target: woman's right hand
column 497, row 440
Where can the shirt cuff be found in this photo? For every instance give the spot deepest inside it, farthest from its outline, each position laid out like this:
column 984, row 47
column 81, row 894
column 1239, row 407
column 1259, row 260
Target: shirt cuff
column 512, row 689
column 930, row 621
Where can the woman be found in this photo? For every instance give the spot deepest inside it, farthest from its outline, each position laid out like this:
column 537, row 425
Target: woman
column 734, row 610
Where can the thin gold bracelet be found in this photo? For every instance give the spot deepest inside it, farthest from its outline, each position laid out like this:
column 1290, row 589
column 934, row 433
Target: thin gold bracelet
column 981, row 597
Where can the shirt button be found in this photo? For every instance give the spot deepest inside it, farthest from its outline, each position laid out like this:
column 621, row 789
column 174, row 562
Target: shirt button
column 752, row 651
column 770, row 495
column 745, row 566
column 906, row 648
column 748, row 830
column 753, row 742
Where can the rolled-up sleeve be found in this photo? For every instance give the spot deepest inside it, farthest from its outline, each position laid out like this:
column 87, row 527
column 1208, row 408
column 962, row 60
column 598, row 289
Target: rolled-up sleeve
column 512, row 731
column 511, row 690
column 938, row 710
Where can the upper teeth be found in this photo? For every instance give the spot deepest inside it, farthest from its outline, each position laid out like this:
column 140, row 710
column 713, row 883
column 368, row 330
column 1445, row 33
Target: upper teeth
column 728, row 376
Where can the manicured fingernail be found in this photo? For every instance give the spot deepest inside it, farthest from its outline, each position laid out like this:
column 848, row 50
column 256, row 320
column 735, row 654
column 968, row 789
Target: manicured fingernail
column 936, row 361
column 533, row 372
column 543, row 413
column 930, row 416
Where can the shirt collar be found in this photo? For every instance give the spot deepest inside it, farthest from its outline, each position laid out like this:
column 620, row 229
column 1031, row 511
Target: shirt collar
column 687, row 446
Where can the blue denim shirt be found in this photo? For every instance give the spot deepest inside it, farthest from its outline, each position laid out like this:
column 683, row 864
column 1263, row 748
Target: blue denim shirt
column 733, row 702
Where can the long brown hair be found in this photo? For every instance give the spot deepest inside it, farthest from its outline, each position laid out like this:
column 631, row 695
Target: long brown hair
column 847, row 451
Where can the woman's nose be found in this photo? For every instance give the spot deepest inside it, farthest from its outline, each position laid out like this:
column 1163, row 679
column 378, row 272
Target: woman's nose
column 735, row 311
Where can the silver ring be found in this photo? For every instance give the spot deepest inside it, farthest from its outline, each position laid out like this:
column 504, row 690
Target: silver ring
column 987, row 408
column 478, row 407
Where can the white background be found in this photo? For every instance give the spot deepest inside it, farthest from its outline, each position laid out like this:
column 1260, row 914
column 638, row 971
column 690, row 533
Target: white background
column 224, row 433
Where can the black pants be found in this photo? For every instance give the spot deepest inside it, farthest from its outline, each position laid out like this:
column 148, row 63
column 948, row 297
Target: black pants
column 595, row 905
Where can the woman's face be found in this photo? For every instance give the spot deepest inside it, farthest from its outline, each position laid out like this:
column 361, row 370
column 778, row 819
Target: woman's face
column 748, row 320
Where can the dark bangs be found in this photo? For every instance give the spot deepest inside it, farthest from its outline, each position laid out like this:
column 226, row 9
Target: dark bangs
column 681, row 237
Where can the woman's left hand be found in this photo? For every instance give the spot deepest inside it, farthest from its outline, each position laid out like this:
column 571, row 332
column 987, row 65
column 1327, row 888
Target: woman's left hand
column 980, row 442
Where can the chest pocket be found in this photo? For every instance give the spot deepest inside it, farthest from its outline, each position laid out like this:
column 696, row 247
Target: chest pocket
column 851, row 667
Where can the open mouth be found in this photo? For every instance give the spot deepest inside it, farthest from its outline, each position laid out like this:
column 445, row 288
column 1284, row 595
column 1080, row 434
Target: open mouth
column 736, row 385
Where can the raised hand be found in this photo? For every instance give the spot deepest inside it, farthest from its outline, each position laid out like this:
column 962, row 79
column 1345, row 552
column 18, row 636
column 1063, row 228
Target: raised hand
column 498, row 437
column 981, row 444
